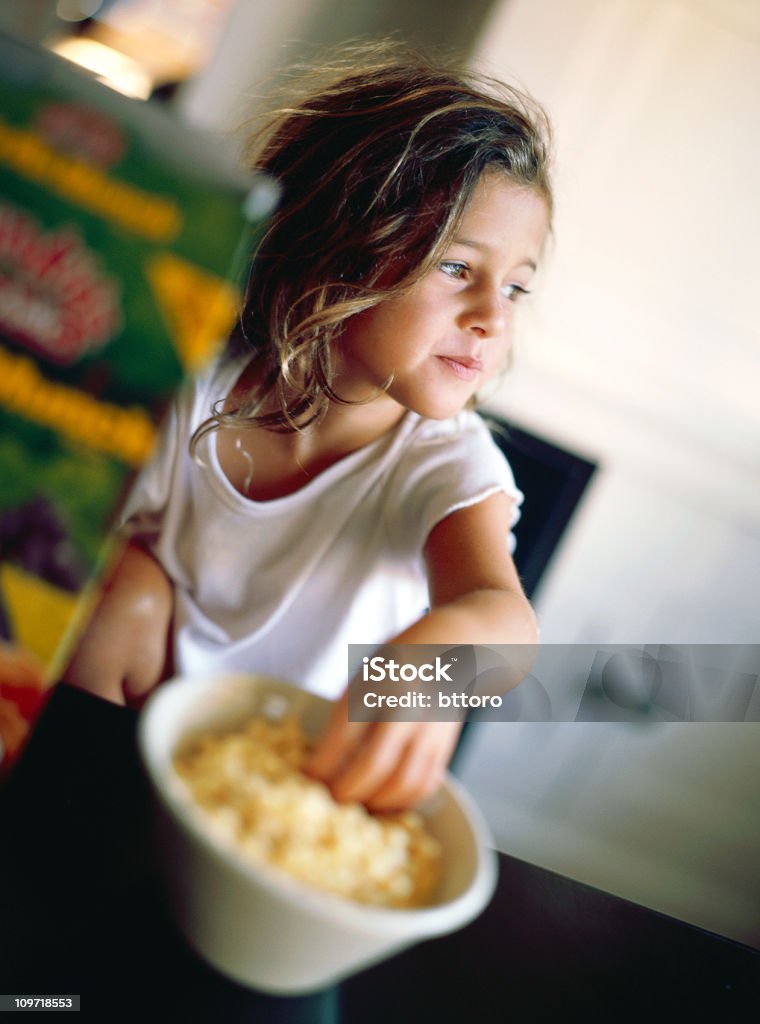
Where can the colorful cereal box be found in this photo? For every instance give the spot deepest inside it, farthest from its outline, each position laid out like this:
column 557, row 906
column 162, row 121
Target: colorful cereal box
column 123, row 238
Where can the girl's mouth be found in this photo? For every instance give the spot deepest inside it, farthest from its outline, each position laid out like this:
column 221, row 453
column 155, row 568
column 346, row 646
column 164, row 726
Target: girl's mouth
column 465, row 368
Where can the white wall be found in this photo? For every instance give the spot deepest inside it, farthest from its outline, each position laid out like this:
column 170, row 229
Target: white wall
column 259, row 37
column 643, row 351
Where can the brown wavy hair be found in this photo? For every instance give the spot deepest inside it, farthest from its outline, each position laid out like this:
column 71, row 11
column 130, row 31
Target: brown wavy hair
column 376, row 159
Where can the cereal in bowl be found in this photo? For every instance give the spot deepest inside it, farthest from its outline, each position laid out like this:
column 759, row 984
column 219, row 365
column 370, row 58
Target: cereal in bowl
column 249, row 785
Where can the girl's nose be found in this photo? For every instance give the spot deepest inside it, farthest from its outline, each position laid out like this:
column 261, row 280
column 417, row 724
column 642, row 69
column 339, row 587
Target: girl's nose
column 486, row 312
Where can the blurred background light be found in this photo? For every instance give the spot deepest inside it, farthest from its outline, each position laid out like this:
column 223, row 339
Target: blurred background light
column 77, row 10
column 109, row 66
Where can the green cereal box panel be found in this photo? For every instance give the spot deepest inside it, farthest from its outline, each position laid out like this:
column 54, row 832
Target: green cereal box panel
column 124, row 238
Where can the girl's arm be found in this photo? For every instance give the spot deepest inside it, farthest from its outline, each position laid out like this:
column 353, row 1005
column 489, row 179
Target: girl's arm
column 123, row 653
column 476, row 597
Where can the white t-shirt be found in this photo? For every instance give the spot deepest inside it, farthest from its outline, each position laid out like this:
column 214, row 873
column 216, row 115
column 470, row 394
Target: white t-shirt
column 283, row 586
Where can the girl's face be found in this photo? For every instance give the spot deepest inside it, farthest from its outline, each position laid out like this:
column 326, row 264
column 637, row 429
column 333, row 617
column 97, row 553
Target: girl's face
column 446, row 336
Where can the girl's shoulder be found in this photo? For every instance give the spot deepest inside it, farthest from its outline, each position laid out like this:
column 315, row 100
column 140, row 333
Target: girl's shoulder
column 212, row 383
column 445, row 465
column 457, row 451
column 467, row 429
column 223, row 372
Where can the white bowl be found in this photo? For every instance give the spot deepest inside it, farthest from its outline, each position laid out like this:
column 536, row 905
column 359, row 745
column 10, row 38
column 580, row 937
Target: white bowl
column 255, row 923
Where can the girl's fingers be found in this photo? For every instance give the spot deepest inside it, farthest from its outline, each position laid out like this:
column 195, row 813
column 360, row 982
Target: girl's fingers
column 419, row 773
column 373, row 763
column 417, row 776
column 339, row 741
column 385, row 765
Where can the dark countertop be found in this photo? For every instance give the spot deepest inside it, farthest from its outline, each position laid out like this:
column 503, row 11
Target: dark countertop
column 82, row 912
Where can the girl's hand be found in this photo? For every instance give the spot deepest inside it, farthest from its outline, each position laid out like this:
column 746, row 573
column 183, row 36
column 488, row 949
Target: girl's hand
column 387, row 766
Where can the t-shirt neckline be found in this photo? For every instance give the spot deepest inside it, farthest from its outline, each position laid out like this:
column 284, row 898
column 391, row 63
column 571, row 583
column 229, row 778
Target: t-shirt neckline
column 316, row 485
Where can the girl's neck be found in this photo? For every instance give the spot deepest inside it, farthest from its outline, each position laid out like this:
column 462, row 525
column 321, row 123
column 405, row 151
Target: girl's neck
column 263, row 464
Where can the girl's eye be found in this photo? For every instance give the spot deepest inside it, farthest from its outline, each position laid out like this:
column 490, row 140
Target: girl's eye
column 459, row 271
column 451, row 268
column 514, row 291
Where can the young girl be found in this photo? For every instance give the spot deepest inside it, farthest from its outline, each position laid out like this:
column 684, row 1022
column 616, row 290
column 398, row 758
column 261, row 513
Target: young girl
column 326, row 481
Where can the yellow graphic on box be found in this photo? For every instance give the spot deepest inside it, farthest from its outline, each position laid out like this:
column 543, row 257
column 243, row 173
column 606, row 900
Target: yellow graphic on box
column 127, row 434
column 158, row 218
column 39, row 613
column 198, row 307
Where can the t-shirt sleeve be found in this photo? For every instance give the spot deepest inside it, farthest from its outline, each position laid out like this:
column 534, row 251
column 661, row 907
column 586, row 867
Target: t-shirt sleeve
column 164, row 477
column 448, row 466
column 142, row 513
